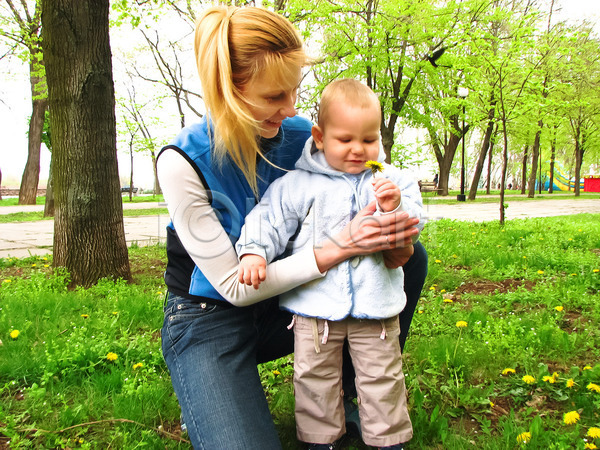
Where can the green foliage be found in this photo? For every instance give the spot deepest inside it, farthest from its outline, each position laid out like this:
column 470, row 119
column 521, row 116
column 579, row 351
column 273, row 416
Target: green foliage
column 528, row 292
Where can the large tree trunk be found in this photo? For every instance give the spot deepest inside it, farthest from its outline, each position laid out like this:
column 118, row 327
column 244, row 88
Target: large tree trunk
column 31, row 173
column 579, row 151
column 89, row 237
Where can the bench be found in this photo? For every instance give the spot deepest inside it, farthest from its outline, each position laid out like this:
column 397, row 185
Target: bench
column 428, row 186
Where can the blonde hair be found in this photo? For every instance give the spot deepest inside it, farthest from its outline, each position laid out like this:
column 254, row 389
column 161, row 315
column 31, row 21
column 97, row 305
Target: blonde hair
column 347, row 90
column 233, row 46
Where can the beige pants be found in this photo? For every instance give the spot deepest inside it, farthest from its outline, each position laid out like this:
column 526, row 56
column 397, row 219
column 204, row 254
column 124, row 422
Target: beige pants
column 375, row 352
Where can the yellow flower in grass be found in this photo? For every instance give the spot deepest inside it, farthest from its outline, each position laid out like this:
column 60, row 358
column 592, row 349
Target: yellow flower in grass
column 15, row 334
column 85, row 316
column 549, row 379
column 570, row 383
column 8, row 280
column 593, row 387
column 461, row 324
column 540, row 272
column 528, row 379
column 593, row 432
column 137, row 366
column 596, row 270
column 559, row 308
column 524, row 437
column 508, row 370
column 111, row 356
column 588, row 367
column 571, row 417
column 590, row 445
column 276, row 372
column 374, row 166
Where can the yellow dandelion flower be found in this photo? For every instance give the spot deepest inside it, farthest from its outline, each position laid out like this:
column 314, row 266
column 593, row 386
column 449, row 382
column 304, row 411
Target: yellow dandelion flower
column 34, row 265
column 8, row 280
column 442, row 291
column 508, row 370
column 590, row 445
column 85, row 316
column 593, row 387
column 549, row 379
column 540, row 272
column 438, row 261
column 137, row 366
column 448, row 300
column 432, row 288
column 276, row 372
column 559, row 308
column 46, row 265
column 374, row 166
column 571, row 417
column 573, row 274
column 524, row 437
column 528, row 379
column 420, row 311
column 115, row 313
column 491, row 404
column 461, row 324
column 14, row 334
column 596, row 270
column 587, row 368
column 593, row 432
column 570, row 383
column 555, row 375
column 111, row 356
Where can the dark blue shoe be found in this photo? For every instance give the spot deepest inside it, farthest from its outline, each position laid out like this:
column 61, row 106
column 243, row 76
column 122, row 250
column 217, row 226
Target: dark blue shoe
column 322, row 446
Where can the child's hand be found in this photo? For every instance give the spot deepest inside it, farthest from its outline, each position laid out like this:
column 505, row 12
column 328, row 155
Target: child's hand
column 387, row 194
column 252, row 270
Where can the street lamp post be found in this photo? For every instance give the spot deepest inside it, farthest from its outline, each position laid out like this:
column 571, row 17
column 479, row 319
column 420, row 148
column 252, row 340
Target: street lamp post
column 463, row 92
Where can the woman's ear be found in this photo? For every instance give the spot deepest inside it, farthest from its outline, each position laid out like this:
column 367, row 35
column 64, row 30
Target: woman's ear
column 317, row 135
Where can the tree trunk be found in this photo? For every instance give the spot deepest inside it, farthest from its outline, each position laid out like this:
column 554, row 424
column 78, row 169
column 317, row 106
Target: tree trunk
column 579, row 151
column 49, row 203
column 31, row 173
column 489, row 165
column 552, row 158
column 504, row 167
column 524, row 169
column 89, row 237
column 482, row 153
column 535, row 153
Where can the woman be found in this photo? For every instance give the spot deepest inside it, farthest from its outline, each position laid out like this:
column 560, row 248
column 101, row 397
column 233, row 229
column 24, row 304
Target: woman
column 216, row 330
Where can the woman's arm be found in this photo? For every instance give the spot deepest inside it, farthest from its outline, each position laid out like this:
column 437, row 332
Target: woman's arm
column 208, row 244
column 367, row 234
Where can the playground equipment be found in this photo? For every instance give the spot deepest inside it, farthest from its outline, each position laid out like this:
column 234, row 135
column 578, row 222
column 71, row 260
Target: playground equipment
column 561, row 181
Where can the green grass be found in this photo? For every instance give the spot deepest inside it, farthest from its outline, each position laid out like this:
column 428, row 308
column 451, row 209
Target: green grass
column 528, row 291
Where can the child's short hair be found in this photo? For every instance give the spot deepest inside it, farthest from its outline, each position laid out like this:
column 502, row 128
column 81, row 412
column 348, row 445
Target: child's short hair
column 348, row 90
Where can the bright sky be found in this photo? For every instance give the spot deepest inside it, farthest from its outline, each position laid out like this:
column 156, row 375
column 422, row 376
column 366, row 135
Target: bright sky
column 15, row 108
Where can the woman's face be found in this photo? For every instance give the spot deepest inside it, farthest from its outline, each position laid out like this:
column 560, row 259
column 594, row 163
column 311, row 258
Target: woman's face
column 271, row 102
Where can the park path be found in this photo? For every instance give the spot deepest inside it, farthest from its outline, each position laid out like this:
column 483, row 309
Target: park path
column 21, row 239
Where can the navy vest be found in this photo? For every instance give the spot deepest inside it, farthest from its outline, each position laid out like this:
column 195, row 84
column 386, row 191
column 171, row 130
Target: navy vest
column 229, row 193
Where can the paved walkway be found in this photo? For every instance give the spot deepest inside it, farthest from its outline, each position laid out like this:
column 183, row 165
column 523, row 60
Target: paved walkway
column 35, row 238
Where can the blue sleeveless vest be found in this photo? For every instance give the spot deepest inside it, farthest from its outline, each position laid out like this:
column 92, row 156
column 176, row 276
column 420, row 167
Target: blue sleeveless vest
column 229, row 193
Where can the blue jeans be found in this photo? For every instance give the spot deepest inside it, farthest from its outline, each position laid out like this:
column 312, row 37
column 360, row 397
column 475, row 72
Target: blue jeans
column 212, row 352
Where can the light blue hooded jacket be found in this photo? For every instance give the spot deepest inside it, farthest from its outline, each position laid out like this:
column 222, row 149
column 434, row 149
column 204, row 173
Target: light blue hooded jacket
column 313, row 203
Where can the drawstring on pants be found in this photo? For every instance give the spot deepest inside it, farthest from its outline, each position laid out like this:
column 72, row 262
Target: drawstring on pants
column 315, row 328
column 383, row 334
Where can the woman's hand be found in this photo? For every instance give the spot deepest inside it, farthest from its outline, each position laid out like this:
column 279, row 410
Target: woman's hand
column 367, row 234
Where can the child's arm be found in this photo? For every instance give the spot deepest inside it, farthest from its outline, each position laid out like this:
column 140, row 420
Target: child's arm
column 252, row 270
column 387, row 194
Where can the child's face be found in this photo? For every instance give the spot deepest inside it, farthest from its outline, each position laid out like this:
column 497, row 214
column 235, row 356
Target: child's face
column 350, row 136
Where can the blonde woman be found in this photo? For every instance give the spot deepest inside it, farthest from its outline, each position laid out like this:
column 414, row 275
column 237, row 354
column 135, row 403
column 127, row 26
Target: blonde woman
column 217, row 329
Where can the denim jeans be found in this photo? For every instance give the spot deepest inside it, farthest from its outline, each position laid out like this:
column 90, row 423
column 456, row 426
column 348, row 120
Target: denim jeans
column 212, row 352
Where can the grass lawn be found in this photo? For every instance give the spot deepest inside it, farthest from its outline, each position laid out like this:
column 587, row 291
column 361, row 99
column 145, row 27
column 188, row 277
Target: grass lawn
column 504, row 350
